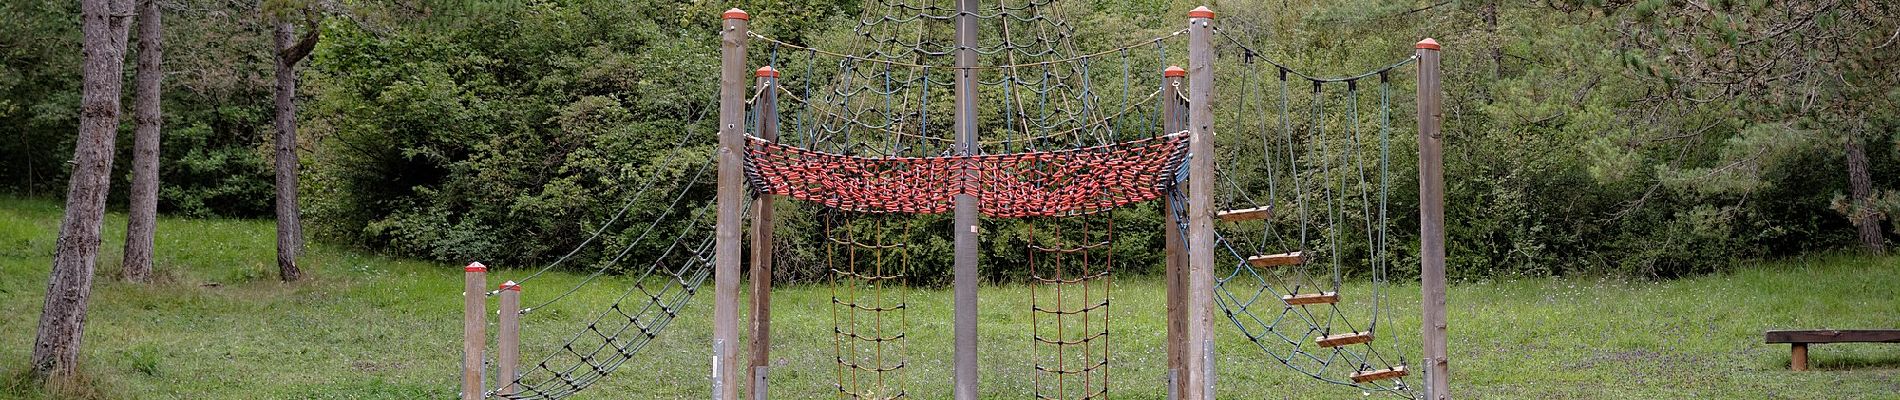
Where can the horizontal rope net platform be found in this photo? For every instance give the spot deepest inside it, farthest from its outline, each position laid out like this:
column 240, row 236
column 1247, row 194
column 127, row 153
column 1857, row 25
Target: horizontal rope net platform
column 1045, row 183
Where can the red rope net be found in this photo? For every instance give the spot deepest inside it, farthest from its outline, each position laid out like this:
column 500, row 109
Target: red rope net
column 1048, row 183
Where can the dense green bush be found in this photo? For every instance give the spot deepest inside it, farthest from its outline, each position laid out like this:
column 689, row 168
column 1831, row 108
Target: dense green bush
column 512, row 135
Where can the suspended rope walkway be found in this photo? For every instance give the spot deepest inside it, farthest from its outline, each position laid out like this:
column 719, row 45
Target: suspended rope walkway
column 1284, row 290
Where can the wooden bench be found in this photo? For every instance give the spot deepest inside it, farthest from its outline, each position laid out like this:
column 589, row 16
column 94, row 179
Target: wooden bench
column 1800, row 340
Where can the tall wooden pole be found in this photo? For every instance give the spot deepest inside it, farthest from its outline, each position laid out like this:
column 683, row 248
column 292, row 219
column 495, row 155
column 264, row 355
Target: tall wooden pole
column 1173, row 119
column 474, row 328
column 1431, row 216
column 965, row 224
column 1199, row 382
column 508, row 336
column 762, row 241
column 731, row 199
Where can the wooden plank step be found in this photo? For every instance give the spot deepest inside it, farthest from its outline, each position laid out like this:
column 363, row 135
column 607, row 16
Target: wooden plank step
column 1247, row 214
column 1275, row 260
column 1378, row 374
column 1311, row 298
column 1349, row 338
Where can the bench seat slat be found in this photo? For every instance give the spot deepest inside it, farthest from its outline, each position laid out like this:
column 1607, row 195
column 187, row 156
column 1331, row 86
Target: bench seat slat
column 1834, row 336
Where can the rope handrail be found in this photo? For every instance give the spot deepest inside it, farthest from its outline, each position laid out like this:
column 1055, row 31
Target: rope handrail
column 686, row 136
column 1095, row 54
column 1286, row 70
column 1099, row 122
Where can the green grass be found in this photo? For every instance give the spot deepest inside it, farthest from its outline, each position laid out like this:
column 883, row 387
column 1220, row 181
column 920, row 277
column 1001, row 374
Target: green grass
column 221, row 326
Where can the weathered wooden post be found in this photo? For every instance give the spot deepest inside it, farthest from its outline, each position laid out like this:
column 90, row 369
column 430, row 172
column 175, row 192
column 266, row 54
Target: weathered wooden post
column 508, row 336
column 1431, row 216
column 1798, row 357
column 762, row 241
column 1199, row 382
column 474, row 328
column 731, row 199
column 964, row 268
column 1173, row 117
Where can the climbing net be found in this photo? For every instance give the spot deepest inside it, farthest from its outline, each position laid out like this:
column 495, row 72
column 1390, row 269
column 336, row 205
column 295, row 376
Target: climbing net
column 874, row 97
column 655, row 291
column 1326, row 182
column 870, row 263
column 1069, row 264
column 1067, row 136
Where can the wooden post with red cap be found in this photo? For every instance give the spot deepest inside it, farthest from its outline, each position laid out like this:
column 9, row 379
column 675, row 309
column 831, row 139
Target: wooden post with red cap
column 1199, row 382
column 474, row 328
column 1431, row 216
column 767, row 111
column 507, row 336
column 731, row 204
column 1173, row 120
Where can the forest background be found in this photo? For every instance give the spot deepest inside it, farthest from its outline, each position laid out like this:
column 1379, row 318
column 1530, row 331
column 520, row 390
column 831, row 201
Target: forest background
column 1637, row 138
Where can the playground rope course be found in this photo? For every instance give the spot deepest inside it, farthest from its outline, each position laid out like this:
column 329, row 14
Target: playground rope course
column 1069, row 135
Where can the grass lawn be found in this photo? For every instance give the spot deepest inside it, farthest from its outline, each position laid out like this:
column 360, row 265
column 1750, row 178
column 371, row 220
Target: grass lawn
column 363, row 327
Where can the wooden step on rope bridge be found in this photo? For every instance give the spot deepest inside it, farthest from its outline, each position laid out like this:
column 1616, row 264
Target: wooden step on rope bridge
column 1275, row 260
column 1799, row 340
column 1262, row 212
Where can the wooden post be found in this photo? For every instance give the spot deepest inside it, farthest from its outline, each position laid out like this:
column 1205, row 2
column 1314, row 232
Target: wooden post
column 1431, row 216
column 965, row 225
column 1173, row 117
column 474, row 328
column 1798, row 360
column 731, row 199
column 1199, row 368
column 508, row 337
column 762, row 241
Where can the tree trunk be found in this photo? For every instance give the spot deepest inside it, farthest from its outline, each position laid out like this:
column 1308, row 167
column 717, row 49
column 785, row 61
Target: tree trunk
column 63, row 315
column 289, row 218
column 1861, row 183
column 141, row 223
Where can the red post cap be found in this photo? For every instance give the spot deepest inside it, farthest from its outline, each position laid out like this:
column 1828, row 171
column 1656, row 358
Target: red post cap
column 767, row 72
column 1428, row 43
column 510, row 285
column 737, row 14
column 1201, row 12
column 475, row 267
column 1173, row 72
